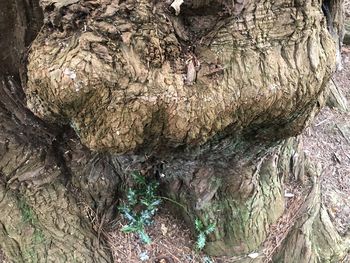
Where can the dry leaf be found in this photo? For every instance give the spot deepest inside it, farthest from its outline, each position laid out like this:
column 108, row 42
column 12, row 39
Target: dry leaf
column 164, row 229
column 191, row 73
column 253, row 255
column 176, row 5
column 289, row 195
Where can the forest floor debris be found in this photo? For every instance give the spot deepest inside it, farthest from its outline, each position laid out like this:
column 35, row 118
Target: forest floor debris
column 327, row 142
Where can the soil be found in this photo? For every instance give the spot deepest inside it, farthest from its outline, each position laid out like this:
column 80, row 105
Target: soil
column 171, row 242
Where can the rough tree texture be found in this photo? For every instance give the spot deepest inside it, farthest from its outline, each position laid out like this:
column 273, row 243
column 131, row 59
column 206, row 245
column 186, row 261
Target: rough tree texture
column 206, row 97
column 130, row 74
column 40, row 220
column 313, row 238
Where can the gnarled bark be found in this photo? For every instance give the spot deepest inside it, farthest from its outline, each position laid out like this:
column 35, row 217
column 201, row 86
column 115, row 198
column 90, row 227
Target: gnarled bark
column 209, row 94
column 41, row 220
column 133, row 76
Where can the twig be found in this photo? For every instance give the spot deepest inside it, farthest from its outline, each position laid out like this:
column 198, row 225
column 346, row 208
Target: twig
column 100, row 230
column 321, row 122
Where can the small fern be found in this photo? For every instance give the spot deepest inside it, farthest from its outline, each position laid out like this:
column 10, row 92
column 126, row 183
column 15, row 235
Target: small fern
column 202, row 233
column 142, row 204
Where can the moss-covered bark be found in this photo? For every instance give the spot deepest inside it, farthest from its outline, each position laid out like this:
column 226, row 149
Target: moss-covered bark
column 46, row 226
column 40, row 218
column 242, row 193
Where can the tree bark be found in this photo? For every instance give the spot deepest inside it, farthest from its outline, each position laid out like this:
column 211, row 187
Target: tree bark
column 206, row 96
column 41, row 220
column 313, row 238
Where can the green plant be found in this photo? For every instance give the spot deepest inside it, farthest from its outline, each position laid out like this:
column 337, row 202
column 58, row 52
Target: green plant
column 207, row 259
column 39, row 236
column 202, row 233
column 28, row 215
column 142, row 204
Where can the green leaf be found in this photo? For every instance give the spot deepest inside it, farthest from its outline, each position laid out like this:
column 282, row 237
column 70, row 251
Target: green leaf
column 207, row 259
column 198, row 225
column 145, row 218
column 151, row 204
column 210, row 229
column 138, row 178
column 201, row 240
column 144, row 237
column 123, row 208
column 129, row 229
column 143, row 195
column 127, row 213
column 144, row 202
column 132, row 197
column 156, row 202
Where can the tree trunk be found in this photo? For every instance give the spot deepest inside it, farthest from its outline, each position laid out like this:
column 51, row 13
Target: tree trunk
column 206, row 94
column 41, row 219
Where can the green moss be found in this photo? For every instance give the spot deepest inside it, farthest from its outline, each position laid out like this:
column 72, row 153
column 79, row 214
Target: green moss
column 30, row 254
column 28, row 216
